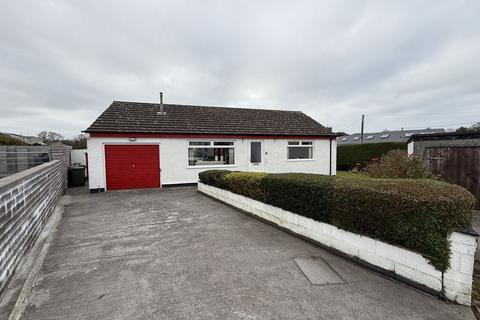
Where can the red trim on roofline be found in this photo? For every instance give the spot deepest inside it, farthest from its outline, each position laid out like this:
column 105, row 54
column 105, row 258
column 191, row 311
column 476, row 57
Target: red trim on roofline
column 211, row 136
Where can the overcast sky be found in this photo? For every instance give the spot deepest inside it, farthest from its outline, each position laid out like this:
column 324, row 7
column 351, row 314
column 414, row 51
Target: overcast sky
column 402, row 63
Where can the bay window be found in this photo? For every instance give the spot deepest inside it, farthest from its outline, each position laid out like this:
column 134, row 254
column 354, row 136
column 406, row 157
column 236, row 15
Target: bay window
column 300, row 150
column 211, row 153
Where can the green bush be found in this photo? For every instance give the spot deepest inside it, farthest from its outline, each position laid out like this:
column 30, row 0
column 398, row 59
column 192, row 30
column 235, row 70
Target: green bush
column 416, row 214
column 301, row 193
column 349, row 155
column 398, row 164
column 213, row 177
column 245, row 183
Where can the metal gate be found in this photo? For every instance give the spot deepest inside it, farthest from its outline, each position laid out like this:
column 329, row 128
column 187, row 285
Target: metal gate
column 459, row 165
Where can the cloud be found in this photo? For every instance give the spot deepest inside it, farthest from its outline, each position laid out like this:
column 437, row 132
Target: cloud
column 403, row 64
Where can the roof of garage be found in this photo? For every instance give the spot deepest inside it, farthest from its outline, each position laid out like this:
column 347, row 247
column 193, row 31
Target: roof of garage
column 135, row 117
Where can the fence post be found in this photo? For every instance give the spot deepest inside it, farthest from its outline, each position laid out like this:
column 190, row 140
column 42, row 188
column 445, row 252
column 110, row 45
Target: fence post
column 60, row 151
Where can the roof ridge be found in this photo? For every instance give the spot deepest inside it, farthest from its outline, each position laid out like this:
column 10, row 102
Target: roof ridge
column 206, row 106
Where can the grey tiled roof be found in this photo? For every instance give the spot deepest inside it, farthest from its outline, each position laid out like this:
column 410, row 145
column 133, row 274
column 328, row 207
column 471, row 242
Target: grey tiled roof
column 384, row 136
column 135, row 117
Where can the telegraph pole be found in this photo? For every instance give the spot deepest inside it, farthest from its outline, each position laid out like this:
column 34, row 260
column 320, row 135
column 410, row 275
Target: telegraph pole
column 361, row 134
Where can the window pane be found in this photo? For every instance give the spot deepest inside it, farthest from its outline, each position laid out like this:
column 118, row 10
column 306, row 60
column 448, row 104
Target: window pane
column 293, row 143
column 199, row 143
column 300, row 153
column 307, row 143
column 210, row 156
column 255, row 152
column 222, row 143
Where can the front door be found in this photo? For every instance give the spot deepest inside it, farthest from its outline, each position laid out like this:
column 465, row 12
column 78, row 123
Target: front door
column 256, row 159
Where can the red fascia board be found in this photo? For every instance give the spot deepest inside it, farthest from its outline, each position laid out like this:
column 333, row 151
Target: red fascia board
column 203, row 136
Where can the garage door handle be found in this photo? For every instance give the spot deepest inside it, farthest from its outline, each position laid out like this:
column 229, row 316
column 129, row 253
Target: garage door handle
column 133, row 166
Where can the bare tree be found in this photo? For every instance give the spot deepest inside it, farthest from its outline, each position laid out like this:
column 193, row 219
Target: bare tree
column 49, row 136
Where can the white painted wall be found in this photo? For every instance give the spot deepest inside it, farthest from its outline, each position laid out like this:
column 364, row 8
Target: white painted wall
column 456, row 281
column 174, row 158
column 410, row 148
column 78, row 156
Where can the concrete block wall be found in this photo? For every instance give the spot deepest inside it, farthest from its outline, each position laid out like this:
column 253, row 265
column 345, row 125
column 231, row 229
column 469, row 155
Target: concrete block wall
column 458, row 279
column 15, row 159
column 455, row 284
column 59, row 151
column 26, row 201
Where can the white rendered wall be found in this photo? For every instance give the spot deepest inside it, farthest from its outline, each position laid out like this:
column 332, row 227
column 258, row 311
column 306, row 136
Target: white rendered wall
column 457, row 282
column 78, row 156
column 410, row 148
column 174, row 158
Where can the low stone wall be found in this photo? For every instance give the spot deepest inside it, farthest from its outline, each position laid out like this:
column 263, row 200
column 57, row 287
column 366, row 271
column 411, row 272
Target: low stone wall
column 455, row 284
column 26, row 201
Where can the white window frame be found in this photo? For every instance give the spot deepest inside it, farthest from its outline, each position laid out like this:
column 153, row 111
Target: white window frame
column 312, row 145
column 212, row 146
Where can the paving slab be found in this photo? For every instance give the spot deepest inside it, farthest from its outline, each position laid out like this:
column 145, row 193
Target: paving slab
column 176, row 254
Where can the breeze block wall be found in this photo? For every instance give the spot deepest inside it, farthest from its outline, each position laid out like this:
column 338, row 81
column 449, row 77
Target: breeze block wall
column 59, row 151
column 455, row 284
column 27, row 199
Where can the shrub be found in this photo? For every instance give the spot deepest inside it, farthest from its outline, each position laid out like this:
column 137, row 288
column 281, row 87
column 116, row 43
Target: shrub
column 213, row 177
column 301, row 193
column 245, row 183
column 416, row 214
column 397, row 164
column 349, row 155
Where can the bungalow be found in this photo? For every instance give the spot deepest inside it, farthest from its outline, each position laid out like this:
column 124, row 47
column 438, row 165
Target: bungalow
column 147, row 145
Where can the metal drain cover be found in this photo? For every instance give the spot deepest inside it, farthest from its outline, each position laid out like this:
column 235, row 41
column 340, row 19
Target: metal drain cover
column 318, row 271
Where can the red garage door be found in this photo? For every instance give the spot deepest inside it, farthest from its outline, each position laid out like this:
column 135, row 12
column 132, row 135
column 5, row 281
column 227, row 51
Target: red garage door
column 132, row 166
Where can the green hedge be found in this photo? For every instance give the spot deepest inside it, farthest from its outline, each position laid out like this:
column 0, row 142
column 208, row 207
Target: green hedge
column 214, row 177
column 300, row 193
column 416, row 214
column 348, row 155
column 245, row 183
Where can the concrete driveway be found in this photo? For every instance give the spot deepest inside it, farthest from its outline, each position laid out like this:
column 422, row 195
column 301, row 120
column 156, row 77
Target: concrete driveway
column 176, row 254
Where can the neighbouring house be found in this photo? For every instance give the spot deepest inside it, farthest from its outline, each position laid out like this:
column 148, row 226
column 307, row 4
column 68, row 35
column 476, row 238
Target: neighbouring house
column 454, row 156
column 147, row 145
column 384, row 136
column 31, row 140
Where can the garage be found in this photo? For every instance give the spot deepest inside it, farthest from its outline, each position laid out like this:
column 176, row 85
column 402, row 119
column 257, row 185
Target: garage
column 132, row 166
